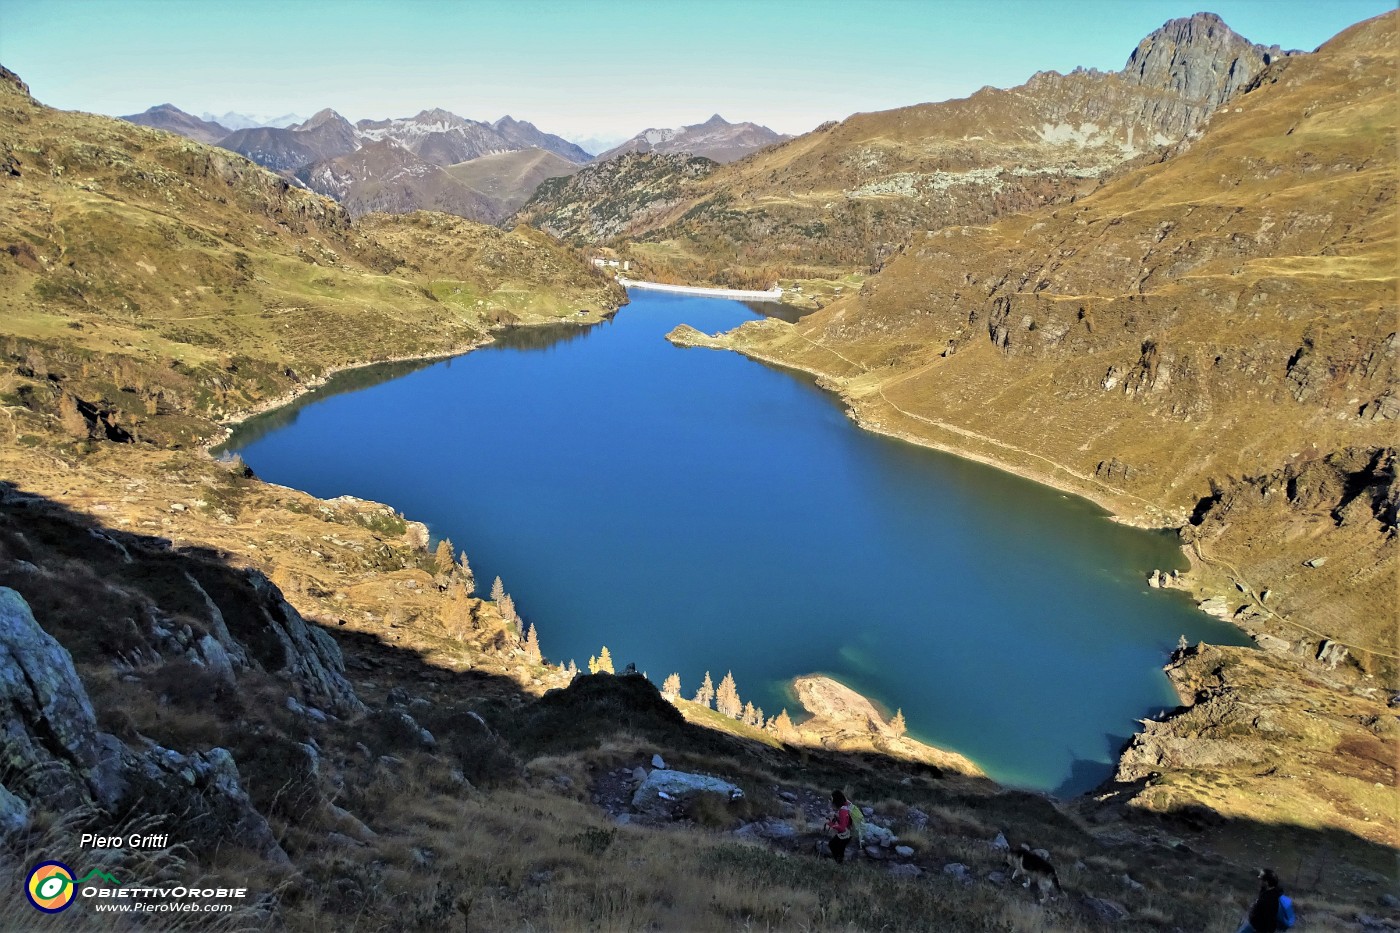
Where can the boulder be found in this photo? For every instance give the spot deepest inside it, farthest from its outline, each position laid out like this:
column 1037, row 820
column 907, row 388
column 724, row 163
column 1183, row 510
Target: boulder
column 906, row 870
column 959, row 871
column 14, row 814
column 1330, row 654
column 877, row 835
column 1104, row 909
column 663, row 786
column 778, row 831
column 1000, row 843
column 904, row 851
column 658, row 762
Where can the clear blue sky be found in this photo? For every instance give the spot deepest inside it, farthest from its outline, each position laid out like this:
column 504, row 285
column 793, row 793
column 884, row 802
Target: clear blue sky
column 591, row 67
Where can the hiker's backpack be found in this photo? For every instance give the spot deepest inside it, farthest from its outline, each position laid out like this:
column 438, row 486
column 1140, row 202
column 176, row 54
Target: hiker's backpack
column 857, row 824
column 1286, row 917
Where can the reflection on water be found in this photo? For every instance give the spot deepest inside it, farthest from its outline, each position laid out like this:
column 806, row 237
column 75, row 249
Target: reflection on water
column 777, row 309
column 363, row 377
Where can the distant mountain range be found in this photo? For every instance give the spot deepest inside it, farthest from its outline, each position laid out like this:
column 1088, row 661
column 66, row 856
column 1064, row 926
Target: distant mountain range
column 401, row 164
column 716, row 139
column 244, row 121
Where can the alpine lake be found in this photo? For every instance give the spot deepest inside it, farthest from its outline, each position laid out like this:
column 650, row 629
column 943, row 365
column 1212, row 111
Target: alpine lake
column 696, row 511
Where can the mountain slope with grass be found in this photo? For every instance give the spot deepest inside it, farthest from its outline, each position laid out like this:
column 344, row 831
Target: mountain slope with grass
column 847, row 196
column 312, row 699
column 1208, row 343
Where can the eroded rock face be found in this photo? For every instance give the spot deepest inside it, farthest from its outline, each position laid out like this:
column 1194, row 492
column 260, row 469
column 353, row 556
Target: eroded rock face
column 51, row 742
column 310, row 655
column 55, row 753
column 1201, row 59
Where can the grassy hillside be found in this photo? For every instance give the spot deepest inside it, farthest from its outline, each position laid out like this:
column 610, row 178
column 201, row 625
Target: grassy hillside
column 510, row 178
column 1223, row 314
column 848, row 196
column 158, row 284
column 315, row 704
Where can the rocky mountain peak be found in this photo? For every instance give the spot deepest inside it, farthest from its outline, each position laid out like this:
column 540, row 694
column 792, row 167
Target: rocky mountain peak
column 715, row 122
column 1200, row 58
column 9, row 77
column 323, row 118
column 438, row 115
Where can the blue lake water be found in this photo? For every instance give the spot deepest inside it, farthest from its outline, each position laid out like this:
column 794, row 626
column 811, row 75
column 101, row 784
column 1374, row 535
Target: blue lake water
column 697, row 511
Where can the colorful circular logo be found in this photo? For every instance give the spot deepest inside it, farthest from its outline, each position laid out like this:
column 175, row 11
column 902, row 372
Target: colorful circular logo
column 50, row 887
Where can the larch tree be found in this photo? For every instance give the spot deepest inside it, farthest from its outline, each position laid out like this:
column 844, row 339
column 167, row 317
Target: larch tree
column 897, row 724
column 727, row 697
column 443, row 556
column 498, row 589
column 749, row 713
column 532, row 645
column 671, row 687
column 465, row 570
column 706, row 694
column 506, row 605
column 783, row 726
column 605, row 662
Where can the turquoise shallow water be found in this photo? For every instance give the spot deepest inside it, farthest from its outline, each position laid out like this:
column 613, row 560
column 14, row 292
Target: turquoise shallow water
column 694, row 510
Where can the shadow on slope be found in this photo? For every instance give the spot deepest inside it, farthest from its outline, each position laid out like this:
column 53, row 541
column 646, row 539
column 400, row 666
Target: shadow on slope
column 407, row 795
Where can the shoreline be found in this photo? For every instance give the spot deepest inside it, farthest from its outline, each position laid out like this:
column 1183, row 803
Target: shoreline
column 229, row 422
column 823, row 727
column 1108, row 502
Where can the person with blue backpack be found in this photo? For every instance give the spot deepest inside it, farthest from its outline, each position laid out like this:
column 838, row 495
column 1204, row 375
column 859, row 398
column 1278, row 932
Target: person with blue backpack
column 1272, row 910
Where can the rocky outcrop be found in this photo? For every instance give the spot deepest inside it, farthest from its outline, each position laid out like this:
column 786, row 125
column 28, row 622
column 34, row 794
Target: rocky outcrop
column 1254, row 724
column 843, row 719
column 52, row 747
column 310, row 656
column 55, row 753
column 614, row 198
column 1200, row 60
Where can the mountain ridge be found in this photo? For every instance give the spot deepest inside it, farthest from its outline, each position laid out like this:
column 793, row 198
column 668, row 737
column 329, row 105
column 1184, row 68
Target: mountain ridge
column 716, row 139
column 846, row 196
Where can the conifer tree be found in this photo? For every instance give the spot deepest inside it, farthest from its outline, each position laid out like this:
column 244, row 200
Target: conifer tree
column 605, row 662
column 573, row 668
column 897, row 724
column 443, row 556
column 456, row 612
column 506, row 605
column 532, row 645
column 592, row 664
column 749, row 712
column 498, row 590
column 465, row 570
column 671, row 688
column 783, row 726
column 758, row 717
column 727, row 697
column 706, row 694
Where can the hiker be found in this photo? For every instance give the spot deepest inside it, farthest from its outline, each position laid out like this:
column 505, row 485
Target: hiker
column 840, row 824
column 1272, row 910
